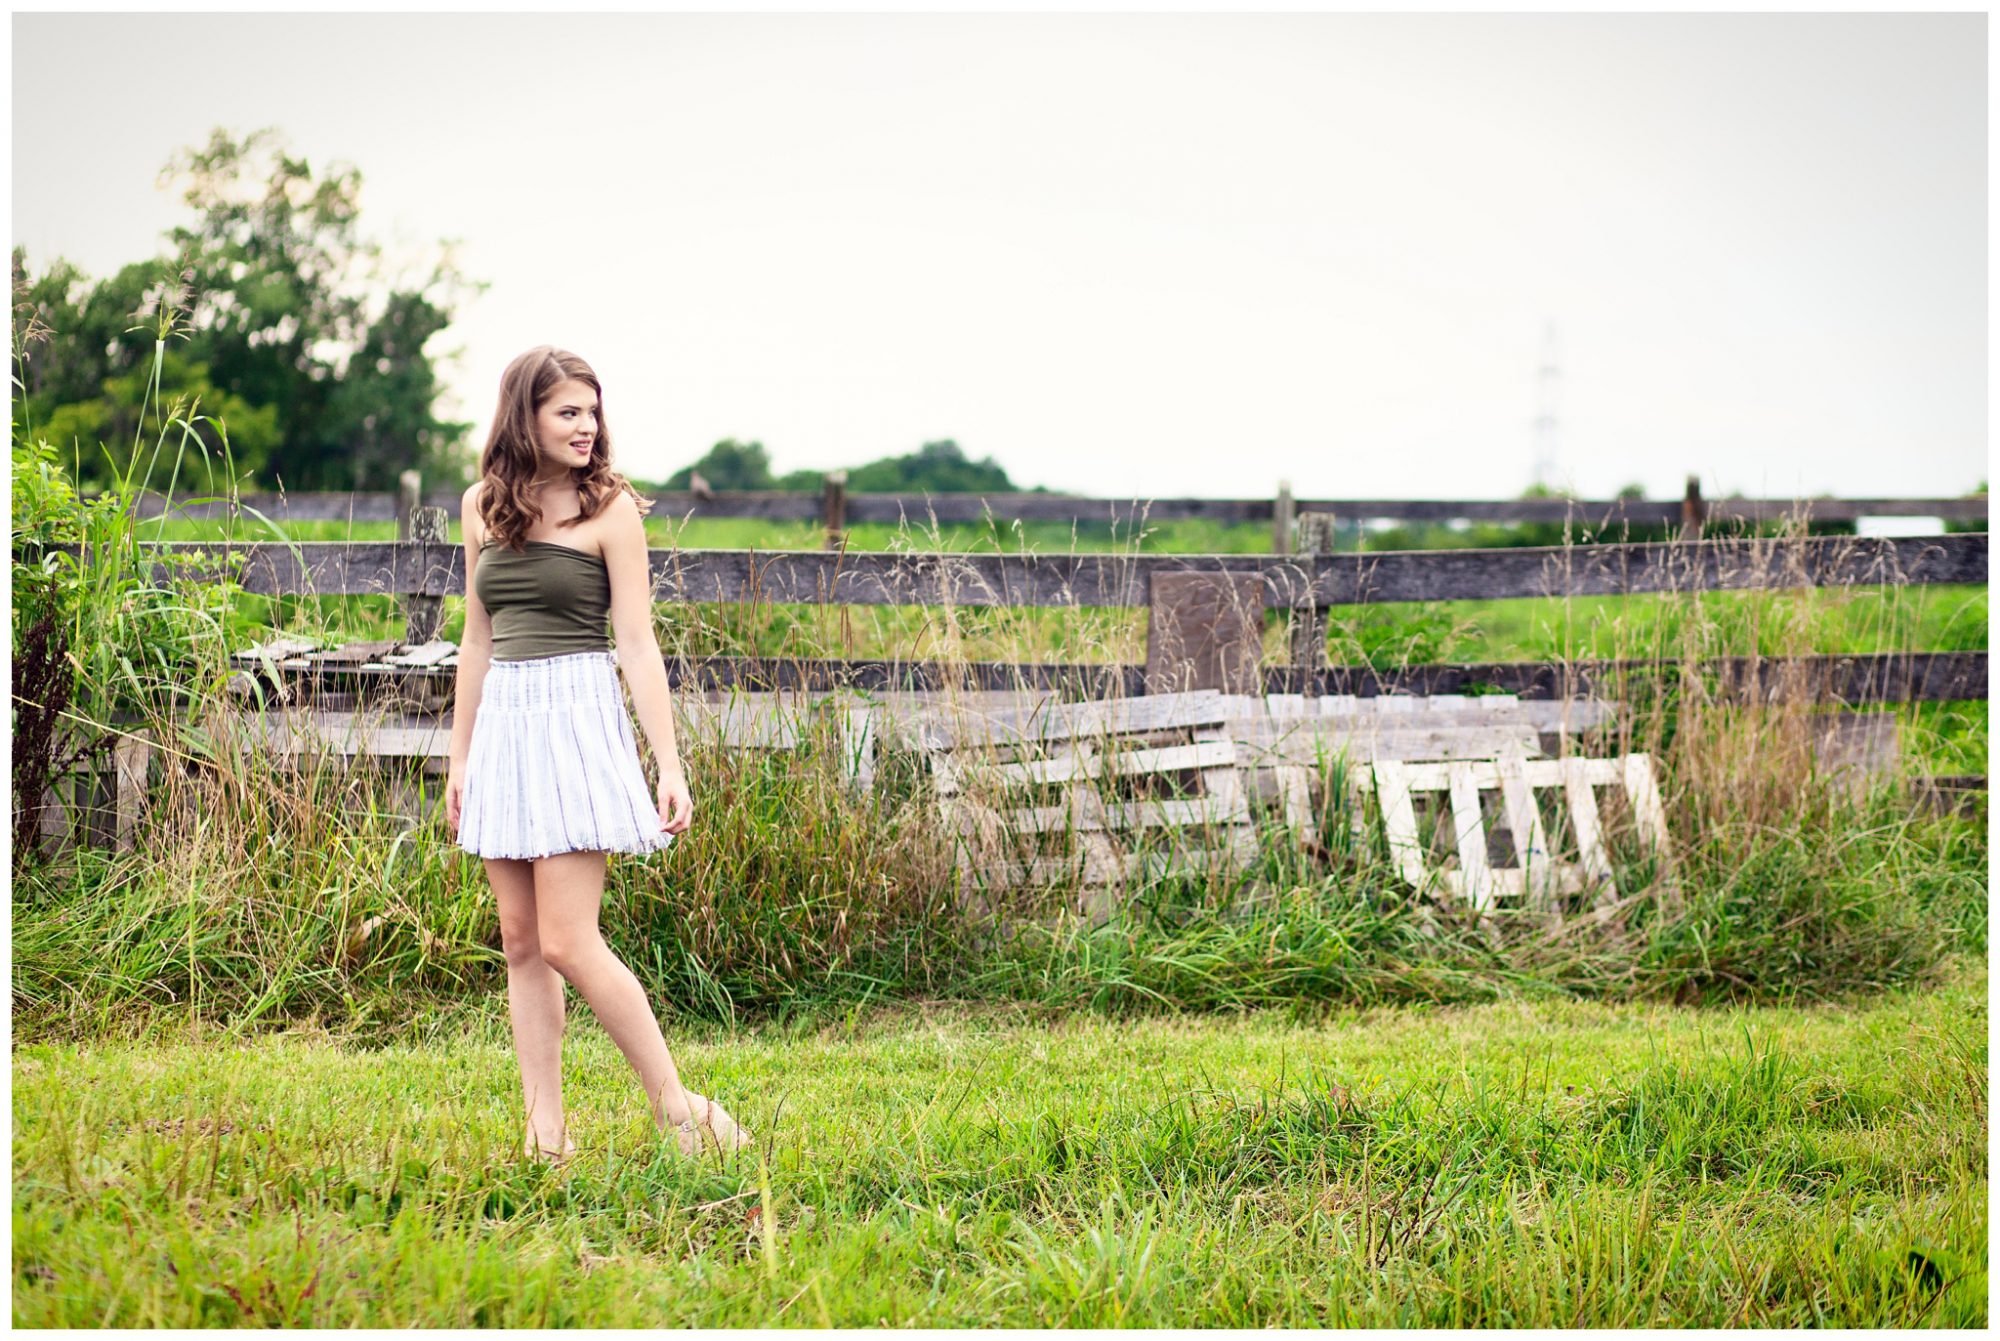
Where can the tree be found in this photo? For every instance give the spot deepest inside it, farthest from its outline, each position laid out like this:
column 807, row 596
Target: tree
column 299, row 338
column 85, row 387
column 939, row 467
column 728, row 465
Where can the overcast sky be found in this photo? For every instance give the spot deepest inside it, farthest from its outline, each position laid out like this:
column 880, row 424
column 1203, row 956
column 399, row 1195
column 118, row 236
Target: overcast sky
column 1139, row 255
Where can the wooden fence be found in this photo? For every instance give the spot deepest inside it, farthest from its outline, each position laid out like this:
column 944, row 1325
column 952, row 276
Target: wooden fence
column 1206, row 613
column 837, row 509
column 436, row 568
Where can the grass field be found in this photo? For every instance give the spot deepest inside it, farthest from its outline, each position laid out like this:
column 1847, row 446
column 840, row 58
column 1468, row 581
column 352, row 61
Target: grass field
column 262, row 1069
column 1548, row 1164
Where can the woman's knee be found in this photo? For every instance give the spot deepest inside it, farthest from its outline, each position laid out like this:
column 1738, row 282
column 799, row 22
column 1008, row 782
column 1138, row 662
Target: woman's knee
column 520, row 942
column 566, row 950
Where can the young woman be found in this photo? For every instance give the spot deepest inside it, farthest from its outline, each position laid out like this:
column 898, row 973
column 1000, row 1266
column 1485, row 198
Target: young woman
column 545, row 778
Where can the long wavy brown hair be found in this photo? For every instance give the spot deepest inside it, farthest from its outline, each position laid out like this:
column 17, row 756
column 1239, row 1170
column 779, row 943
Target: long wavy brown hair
column 510, row 461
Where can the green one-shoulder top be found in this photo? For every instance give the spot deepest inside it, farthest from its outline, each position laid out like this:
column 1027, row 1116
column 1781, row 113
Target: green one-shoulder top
column 546, row 600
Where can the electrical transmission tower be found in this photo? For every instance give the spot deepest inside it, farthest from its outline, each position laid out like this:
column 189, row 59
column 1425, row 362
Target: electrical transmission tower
column 1548, row 460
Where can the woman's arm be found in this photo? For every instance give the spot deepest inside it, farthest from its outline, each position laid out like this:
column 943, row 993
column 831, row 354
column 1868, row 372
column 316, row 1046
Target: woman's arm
column 639, row 649
column 475, row 645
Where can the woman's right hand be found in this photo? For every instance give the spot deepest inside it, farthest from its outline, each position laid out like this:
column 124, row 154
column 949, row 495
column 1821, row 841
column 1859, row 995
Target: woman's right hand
column 454, row 793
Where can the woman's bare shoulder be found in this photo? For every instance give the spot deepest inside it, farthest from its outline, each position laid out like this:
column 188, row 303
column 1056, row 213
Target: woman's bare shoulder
column 624, row 508
column 469, row 521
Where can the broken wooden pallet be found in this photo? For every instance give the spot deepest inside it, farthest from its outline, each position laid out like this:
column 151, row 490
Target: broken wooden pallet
column 1537, row 876
column 1093, row 757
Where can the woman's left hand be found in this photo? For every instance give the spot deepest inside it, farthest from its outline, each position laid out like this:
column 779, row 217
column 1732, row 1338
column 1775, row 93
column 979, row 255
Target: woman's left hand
column 676, row 805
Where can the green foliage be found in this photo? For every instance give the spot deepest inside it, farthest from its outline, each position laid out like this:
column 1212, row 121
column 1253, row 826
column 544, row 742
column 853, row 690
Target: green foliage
column 102, row 639
column 728, row 465
column 295, row 334
column 1391, row 636
column 937, row 467
column 114, row 418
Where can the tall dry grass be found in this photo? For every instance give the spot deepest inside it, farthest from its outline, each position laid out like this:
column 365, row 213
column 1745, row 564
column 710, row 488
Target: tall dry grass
column 267, row 889
column 270, row 890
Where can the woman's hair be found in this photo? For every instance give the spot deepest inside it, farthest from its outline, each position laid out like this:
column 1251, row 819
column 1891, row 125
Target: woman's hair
column 511, row 459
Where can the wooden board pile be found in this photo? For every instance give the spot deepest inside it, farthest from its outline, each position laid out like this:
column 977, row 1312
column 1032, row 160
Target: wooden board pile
column 990, row 760
column 1088, row 794
column 1096, row 796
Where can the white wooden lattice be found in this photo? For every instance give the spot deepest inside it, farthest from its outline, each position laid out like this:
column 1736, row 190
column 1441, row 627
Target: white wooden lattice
column 1538, row 877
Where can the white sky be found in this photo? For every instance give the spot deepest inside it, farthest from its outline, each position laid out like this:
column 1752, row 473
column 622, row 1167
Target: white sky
column 1135, row 255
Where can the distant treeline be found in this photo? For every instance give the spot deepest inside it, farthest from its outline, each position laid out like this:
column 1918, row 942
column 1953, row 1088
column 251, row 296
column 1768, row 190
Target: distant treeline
column 939, row 467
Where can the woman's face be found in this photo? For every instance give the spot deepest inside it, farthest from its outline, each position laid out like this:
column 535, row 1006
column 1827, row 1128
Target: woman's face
column 566, row 428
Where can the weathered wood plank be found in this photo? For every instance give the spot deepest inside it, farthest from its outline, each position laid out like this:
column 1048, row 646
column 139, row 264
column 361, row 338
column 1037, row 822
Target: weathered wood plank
column 275, row 650
column 1858, row 745
column 951, row 681
column 1566, row 716
column 950, row 728
column 857, row 746
column 1469, row 831
column 958, row 771
column 434, row 653
column 1873, row 677
column 1577, row 780
column 1399, row 821
column 1295, row 800
column 1539, row 773
column 1267, row 744
column 1085, row 763
column 1203, row 631
column 743, row 725
column 773, row 505
column 132, row 763
column 1081, row 809
column 1889, row 677
column 1123, row 579
column 1085, row 810
column 309, row 731
column 351, row 654
column 1531, row 840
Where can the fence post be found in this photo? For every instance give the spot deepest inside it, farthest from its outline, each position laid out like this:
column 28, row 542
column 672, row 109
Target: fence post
column 1313, row 537
column 1693, row 510
column 409, row 497
column 422, row 614
column 836, row 509
column 1281, row 519
column 1205, row 631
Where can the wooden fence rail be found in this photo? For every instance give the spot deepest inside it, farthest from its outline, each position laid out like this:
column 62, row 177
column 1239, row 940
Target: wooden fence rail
column 431, row 569
column 1853, row 679
column 771, row 505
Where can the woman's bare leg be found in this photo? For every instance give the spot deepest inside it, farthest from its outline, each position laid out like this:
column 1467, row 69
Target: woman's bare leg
column 569, row 889
column 534, row 1002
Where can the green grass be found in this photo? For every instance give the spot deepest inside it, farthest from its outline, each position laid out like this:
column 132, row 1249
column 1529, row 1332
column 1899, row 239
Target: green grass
column 262, row 1071
column 1515, row 1164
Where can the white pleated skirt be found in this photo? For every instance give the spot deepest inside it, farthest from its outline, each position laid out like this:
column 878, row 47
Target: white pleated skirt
column 554, row 765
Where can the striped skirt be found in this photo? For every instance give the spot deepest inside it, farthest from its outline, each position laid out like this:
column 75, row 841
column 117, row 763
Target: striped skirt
column 553, row 765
